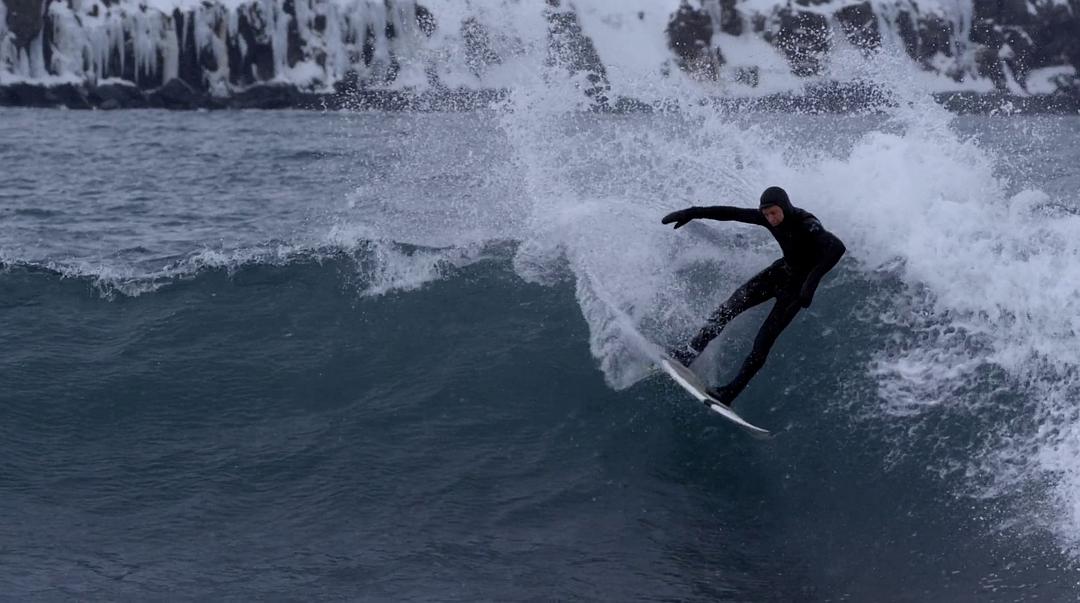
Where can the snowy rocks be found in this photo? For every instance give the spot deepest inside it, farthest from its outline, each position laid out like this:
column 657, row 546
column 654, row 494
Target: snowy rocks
column 995, row 43
column 177, row 94
column 24, row 94
column 27, row 95
column 860, row 25
column 480, row 55
column 267, row 96
column 116, row 95
column 213, row 47
column 571, row 49
column 1054, row 36
column 24, row 20
column 690, row 35
column 803, row 37
column 406, row 54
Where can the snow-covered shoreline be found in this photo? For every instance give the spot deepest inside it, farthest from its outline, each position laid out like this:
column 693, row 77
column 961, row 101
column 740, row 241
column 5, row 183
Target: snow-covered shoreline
column 464, row 53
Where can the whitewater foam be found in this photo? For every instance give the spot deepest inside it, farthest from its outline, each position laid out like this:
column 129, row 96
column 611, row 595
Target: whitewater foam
column 988, row 270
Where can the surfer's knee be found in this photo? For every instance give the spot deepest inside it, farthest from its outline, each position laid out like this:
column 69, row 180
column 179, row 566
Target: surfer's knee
column 703, row 338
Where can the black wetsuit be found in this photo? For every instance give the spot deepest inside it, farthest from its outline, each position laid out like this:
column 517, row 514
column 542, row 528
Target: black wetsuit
column 810, row 251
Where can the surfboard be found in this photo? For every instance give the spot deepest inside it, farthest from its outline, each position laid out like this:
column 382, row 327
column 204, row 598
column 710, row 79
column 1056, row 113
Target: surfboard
column 693, row 385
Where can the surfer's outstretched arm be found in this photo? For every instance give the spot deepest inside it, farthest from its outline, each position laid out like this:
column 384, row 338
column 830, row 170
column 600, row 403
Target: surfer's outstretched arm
column 725, row 213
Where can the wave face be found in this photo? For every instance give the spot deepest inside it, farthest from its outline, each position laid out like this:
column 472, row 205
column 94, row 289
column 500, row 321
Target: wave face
column 408, row 356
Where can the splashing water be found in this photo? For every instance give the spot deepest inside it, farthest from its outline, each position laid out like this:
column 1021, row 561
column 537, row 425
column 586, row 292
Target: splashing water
column 982, row 327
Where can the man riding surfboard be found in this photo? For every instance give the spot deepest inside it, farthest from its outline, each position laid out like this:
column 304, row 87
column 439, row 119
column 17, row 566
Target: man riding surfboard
column 810, row 252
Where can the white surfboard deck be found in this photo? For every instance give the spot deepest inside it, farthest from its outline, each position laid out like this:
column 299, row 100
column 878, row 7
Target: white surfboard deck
column 690, row 382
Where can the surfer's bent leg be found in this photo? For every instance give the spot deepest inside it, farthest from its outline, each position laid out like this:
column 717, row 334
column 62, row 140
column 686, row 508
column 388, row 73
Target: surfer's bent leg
column 779, row 318
column 759, row 289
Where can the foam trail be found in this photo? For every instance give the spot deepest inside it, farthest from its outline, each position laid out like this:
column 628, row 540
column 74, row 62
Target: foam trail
column 993, row 270
column 989, row 304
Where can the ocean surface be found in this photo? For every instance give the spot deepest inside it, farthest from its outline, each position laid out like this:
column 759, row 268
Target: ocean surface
column 329, row 356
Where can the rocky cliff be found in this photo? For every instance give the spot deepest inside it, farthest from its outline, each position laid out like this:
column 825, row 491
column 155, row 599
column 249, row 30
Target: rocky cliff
column 461, row 53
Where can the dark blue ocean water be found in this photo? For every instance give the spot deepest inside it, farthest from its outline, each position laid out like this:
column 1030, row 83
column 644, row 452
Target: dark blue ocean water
column 295, row 356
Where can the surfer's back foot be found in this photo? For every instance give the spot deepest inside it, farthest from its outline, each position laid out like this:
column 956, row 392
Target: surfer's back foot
column 721, row 394
column 683, row 354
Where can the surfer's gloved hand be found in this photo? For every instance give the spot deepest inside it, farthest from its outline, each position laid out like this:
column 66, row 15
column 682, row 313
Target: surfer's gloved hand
column 680, row 218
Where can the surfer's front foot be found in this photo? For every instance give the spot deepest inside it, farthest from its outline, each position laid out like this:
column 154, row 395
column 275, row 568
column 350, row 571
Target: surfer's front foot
column 683, row 354
column 721, row 394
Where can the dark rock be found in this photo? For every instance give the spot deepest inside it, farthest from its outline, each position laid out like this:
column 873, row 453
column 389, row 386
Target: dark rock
column 425, row 20
column 804, row 39
column 392, row 70
column 1068, row 87
column 382, row 100
column 294, row 44
column 730, row 21
column 257, row 63
column 24, row 19
column 22, row 94
column 1055, row 33
column 347, row 92
column 189, row 69
column 127, row 71
column 570, row 48
column 905, row 26
column 72, row 96
column 153, row 76
column 987, row 33
column 935, row 36
column 860, row 25
column 1022, row 36
column 350, row 84
column 847, row 97
column 689, row 32
column 236, row 58
column 479, row 54
column 176, row 94
column 27, row 95
column 116, row 96
column 824, row 98
column 1020, row 58
column 624, row 104
column 368, row 51
column 748, row 76
column 1005, row 12
column 925, row 36
column 758, row 22
column 266, row 96
column 972, row 102
column 990, row 66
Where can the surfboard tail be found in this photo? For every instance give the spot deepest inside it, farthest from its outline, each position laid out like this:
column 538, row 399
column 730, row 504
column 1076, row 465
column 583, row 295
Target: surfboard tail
column 690, row 382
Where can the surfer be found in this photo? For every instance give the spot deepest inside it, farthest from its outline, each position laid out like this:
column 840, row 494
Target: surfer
column 810, row 251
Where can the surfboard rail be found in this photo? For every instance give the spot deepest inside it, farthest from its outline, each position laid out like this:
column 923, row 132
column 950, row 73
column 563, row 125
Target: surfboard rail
column 694, row 386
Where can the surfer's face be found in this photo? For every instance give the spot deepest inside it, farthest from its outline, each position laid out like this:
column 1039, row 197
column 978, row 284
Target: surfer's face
column 773, row 214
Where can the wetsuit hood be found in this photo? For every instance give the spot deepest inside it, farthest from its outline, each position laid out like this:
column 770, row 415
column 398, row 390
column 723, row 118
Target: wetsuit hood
column 774, row 195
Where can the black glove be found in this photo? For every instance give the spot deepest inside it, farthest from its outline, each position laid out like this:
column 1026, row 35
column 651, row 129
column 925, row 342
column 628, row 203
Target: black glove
column 680, row 218
column 806, row 296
